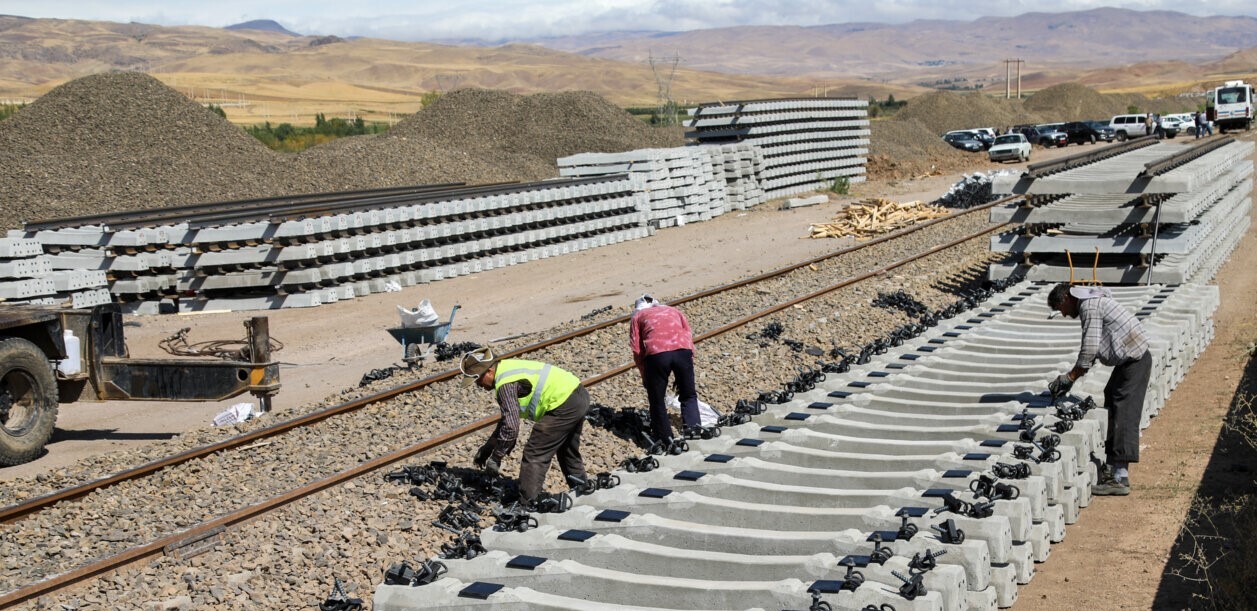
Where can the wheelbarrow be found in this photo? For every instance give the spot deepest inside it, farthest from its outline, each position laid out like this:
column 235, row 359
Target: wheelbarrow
column 413, row 339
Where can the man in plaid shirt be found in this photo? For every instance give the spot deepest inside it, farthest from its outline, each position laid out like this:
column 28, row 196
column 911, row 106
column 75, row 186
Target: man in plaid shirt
column 1115, row 337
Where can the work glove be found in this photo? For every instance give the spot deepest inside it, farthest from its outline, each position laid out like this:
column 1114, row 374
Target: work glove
column 491, row 467
column 1060, row 386
column 484, row 453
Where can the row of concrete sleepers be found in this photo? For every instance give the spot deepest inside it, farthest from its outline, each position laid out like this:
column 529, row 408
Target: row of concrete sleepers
column 284, row 262
column 782, row 511
column 1107, row 222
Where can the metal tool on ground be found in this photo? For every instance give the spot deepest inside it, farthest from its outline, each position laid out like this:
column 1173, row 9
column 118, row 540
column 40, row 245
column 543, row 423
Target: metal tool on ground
column 414, row 339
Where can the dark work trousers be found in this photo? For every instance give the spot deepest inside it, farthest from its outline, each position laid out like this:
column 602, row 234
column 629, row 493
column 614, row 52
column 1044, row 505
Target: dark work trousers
column 657, row 369
column 1124, row 398
column 558, row 432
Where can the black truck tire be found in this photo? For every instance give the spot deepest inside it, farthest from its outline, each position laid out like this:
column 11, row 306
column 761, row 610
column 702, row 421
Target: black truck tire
column 28, row 401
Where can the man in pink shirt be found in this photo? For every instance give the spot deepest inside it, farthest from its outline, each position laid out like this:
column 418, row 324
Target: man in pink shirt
column 663, row 345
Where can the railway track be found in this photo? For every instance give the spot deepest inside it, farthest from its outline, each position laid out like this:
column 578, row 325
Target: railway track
column 275, row 452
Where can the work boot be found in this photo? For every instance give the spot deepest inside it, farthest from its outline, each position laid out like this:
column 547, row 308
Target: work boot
column 1111, row 486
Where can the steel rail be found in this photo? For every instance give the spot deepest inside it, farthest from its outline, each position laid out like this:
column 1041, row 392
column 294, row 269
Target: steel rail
column 285, row 214
column 109, row 218
column 64, row 580
column 1044, row 168
column 1156, row 168
column 20, row 510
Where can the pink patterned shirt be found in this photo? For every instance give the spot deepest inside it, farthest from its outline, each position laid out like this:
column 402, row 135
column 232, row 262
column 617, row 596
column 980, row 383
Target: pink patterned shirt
column 657, row 329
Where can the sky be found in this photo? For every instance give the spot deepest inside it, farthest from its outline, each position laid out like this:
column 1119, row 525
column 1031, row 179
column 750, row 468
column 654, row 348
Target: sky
column 516, row 19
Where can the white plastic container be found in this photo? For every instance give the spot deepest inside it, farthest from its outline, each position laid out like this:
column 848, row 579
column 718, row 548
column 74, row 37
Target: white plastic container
column 73, row 362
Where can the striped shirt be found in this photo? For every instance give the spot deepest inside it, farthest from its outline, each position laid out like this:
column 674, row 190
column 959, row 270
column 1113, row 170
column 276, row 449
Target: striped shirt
column 508, row 427
column 1110, row 333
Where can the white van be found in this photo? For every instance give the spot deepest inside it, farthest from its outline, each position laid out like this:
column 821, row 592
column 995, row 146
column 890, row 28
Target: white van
column 1129, row 126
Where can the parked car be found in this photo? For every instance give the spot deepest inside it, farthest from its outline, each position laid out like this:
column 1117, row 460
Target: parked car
column 1029, row 131
column 982, row 137
column 1010, row 146
column 1079, row 132
column 965, row 141
column 1050, row 135
column 1103, row 130
column 1134, row 126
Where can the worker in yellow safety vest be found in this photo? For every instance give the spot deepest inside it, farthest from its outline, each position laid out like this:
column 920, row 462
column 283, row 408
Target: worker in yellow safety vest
column 553, row 398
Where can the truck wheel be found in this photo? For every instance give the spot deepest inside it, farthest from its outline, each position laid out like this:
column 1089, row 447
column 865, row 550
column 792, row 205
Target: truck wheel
column 28, row 401
column 1121, row 136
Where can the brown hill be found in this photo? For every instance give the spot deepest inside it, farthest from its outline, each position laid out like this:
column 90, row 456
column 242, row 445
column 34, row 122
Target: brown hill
column 264, row 76
column 920, row 50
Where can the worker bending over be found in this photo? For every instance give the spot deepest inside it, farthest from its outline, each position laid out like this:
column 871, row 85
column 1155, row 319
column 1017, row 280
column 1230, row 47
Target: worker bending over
column 663, row 346
column 551, row 397
column 1114, row 336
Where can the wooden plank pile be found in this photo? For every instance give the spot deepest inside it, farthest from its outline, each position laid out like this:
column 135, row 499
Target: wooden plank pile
column 876, row 216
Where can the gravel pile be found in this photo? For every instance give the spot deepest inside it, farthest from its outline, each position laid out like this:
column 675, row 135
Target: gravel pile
column 124, row 141
column 481, row 136
column 354, row 532
column 1074, row 102
column 900, row 149
column 944, row 111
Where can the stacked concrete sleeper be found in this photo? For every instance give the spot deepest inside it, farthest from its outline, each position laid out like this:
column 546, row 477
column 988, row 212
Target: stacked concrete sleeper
column 761, row 515
column 1198, row 213
column 321, row 259
column 806, row 143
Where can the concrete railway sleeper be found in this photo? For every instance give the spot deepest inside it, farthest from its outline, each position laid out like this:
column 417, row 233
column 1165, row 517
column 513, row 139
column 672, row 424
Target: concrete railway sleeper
column 816, row 465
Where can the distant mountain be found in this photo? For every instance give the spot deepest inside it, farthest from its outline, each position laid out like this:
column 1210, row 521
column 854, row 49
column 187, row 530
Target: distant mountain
column 918, row 50
column 265, row 25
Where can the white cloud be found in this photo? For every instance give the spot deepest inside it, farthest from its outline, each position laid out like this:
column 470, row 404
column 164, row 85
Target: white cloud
column 497, row 19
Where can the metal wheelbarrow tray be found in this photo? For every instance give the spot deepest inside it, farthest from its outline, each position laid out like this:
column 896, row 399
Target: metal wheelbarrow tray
column 412, row 339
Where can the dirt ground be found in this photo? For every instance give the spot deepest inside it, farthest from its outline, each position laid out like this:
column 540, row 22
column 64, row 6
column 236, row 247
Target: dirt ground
column 1113, row 558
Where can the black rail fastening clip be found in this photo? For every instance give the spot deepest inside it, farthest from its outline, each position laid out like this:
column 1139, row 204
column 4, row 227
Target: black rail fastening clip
column 339, row 601
column 913, row 585
column 1014, row 471
column 405, row 575
column 881, row 553
column 925, row 561
column 988, row 487
column 643, row 464
column 749, row 407
column 513, row 519
column 852, row 579
column 948, row 533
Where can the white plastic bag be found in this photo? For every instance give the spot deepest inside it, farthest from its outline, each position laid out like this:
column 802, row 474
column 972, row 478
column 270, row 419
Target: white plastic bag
column 707, row 416
column 236, row 413
column 422, row 316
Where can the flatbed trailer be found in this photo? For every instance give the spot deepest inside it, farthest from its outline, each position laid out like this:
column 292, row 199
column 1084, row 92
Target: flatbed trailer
column 38, row 373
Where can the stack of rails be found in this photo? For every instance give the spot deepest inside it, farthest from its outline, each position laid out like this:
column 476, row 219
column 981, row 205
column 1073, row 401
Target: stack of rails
column 308, row 250
column 27, row 276
column 776, row 511
column 1152, row 212
column 806, row 144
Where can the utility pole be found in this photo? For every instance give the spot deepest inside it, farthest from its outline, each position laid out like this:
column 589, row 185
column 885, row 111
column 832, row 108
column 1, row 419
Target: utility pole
column 1008, row 79
column 667, row 108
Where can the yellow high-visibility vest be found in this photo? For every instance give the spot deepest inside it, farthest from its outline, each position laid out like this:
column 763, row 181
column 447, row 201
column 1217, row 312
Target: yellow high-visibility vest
column 551, row 386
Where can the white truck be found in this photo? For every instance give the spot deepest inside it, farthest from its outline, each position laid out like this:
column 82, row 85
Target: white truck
column 1230, row 106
